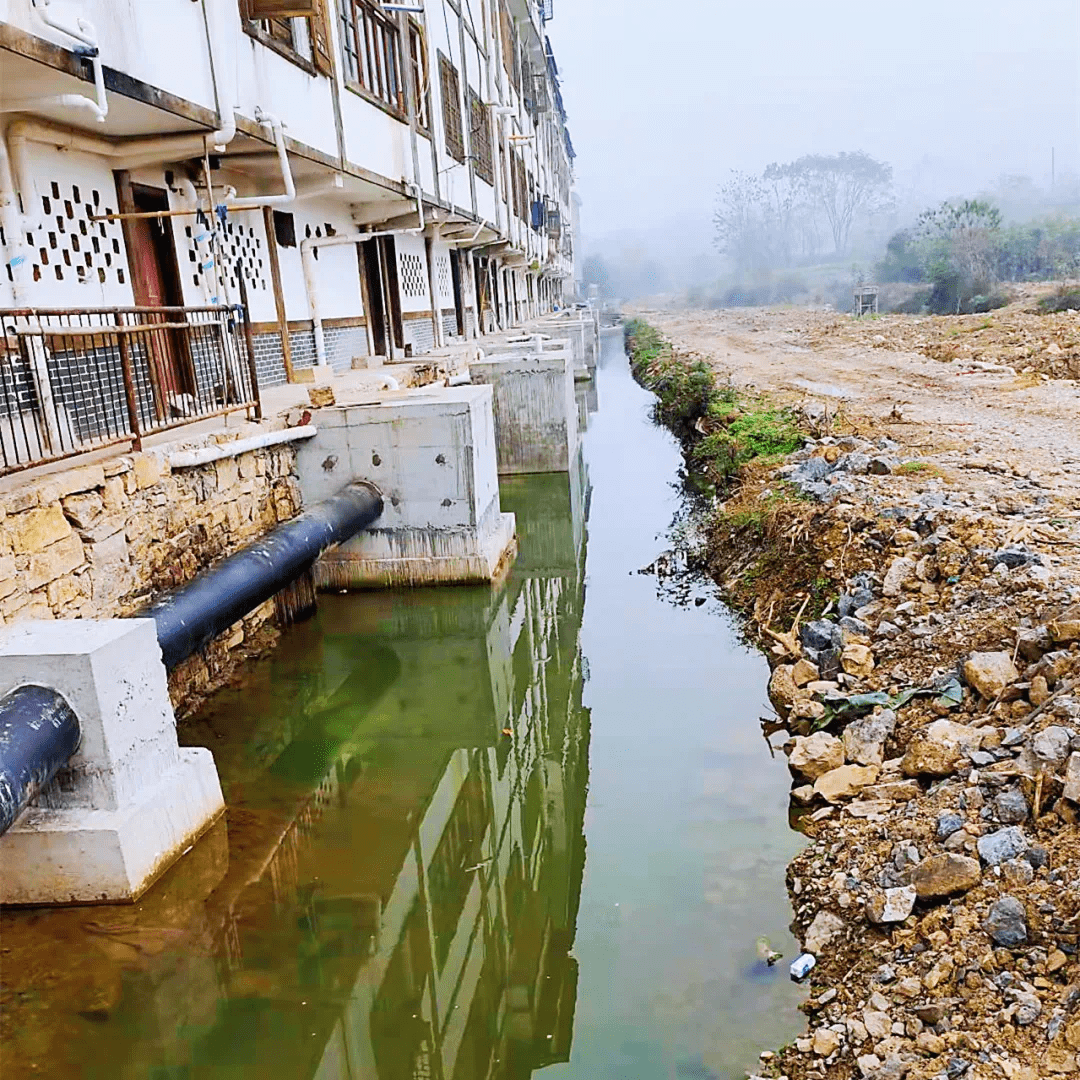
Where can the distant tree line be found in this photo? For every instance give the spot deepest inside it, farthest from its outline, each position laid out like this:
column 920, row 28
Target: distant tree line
column 799, row 211
column 963, row 252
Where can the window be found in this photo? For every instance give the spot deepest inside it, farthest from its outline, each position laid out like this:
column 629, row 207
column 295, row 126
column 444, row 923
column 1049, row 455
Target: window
column 295, row 28
column 284, row 229
column 418, row 64
column 509, row 46
column 371, row 44
column 451, row 105
column 480, row 138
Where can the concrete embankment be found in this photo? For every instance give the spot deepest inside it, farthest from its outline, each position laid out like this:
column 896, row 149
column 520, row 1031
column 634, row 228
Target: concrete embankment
column 919, row 606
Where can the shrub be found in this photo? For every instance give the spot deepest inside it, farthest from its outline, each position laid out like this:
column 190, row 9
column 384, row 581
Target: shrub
column 1064, row 298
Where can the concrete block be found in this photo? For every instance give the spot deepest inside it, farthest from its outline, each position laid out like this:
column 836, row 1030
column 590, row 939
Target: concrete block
column 535, row 412
column 432, row 455
column 131, row 800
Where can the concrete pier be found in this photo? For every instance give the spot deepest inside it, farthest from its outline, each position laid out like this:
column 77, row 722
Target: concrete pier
column 131, row 800
column 432, row 455
column 535, row 411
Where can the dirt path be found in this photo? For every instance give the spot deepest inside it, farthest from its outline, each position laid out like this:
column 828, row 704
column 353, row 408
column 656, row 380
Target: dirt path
column 874, row 369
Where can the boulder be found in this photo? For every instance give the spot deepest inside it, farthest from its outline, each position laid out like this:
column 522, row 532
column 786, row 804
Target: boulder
column 821, row 634
column 990, row 672
column 824, row 929
column 940, row 748
column 1011, row 807
column 782, row 688
column 826, row 1042
column 814, row 755
column 864, row 740
column 1051, row 745
column 804, row 672
column 892, row 905
column 1066, row 627
column 943, row 875
column 997, row 847
column 948, row 822
column 901, row 571
column 857, row 660
column 1072, row 778
column 845, row 781
column 1031, row 644
column 1007, row 922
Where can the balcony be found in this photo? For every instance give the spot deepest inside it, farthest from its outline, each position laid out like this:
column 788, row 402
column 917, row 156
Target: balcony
column 78, row 380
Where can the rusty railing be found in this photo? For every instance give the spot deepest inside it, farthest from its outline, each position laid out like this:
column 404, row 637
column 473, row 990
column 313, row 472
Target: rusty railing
column 75, row 380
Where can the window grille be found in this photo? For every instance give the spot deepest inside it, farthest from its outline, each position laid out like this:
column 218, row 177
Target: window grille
column 480, row 138
column 451, row 103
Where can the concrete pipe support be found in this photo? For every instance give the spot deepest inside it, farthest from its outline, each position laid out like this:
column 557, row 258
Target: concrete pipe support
column 39, row 732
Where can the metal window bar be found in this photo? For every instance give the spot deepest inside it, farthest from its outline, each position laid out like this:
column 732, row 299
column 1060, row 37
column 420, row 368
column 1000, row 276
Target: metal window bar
column 75, row 380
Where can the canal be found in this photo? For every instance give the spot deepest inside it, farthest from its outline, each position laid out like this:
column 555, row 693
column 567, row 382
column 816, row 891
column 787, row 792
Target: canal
column 471, row 833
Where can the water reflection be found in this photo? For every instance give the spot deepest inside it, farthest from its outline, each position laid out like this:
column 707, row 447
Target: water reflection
column 397, row 892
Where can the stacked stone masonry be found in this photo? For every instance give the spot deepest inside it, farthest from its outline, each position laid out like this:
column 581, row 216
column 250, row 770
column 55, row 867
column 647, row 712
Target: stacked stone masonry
column 97, row 541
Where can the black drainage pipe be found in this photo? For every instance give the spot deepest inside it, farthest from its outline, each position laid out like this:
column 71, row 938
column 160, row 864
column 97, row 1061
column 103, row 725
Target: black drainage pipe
column 192, row 616
column 39, row 732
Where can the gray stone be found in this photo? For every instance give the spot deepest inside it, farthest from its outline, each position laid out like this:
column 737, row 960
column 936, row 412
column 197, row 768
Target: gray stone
column 821, row 634
column 996, row 847
column 850, row 602
column 1007, row 922
column 1034, row 642
column 1011, row 807
column 851, row 625
column 905, row 855
column 1051, row 745
column 864, row 740
column 948, row 822
column 880, row 466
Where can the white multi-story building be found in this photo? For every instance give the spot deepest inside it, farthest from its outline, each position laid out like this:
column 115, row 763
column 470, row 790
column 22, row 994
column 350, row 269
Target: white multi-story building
column 364, row 177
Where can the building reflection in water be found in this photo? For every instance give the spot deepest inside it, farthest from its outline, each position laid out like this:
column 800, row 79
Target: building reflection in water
column 397, row 897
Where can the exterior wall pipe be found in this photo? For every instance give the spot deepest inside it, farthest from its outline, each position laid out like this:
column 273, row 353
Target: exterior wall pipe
column 84, row 33
column 192, row 616
column 39, row 732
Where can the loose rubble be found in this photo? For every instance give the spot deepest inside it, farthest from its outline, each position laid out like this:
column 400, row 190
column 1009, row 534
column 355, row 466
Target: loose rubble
column 922, row 615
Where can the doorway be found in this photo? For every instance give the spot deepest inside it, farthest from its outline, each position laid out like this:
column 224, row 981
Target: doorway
column 459, row 305
column 155, row 283
column 371, row 279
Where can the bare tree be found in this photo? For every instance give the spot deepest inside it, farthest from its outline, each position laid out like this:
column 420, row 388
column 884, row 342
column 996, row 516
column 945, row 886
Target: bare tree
column 843, row 186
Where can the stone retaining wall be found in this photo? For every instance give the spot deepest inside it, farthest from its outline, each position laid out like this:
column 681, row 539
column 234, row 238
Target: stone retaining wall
column 99, row 540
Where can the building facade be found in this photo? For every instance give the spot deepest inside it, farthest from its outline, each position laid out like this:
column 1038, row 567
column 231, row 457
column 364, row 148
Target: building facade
column 365, row 178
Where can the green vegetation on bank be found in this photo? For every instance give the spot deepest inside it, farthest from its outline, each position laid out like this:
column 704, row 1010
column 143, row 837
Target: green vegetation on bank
column 721, row 429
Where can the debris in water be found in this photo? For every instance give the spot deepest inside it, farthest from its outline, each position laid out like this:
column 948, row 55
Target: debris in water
column 802, row 966
column 767, row 952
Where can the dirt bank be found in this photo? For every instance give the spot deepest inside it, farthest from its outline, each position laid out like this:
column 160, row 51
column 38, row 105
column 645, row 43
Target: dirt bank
column 913, row 573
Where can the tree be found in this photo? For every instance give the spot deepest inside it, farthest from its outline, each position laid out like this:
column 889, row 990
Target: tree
column 843, row 186
column 960, row 243
column 740, row 219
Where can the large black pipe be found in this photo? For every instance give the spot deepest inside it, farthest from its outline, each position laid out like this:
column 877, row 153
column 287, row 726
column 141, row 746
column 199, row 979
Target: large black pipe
column 192, row 616
column 39, row 731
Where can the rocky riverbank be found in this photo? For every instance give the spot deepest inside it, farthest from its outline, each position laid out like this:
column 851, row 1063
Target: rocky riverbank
column 919, row 600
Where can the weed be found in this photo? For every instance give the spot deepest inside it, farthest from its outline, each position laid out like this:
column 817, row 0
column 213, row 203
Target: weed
column 919, row 468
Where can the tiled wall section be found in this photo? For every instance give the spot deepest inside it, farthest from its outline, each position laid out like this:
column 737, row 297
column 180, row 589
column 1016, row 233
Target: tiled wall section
column 420, row 334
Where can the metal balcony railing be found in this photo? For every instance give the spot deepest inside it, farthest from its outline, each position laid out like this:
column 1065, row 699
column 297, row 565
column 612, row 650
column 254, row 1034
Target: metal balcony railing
column 76, row 379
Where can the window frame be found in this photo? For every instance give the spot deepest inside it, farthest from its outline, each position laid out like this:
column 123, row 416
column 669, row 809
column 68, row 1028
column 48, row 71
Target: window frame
column 253, row 28
column 376, row 39
column 421, row 76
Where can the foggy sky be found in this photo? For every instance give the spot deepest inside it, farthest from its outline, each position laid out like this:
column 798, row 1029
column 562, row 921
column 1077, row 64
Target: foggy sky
column 664, row 98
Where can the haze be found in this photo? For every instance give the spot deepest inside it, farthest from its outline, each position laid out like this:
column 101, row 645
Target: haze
column 665, row 99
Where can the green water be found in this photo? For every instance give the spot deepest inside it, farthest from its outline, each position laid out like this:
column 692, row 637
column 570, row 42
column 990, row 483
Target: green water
column 472, row 833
